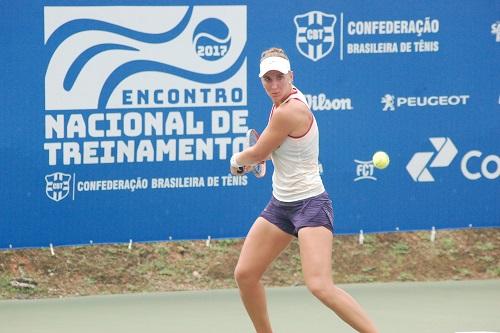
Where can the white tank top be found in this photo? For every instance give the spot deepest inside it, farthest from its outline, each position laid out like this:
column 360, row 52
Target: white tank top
column 296, row 170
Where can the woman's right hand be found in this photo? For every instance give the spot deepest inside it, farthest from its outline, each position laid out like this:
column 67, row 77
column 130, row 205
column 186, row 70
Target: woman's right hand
column 240, row 171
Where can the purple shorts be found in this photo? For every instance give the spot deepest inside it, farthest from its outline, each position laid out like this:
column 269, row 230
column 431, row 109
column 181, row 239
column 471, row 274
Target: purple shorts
column 291, row 216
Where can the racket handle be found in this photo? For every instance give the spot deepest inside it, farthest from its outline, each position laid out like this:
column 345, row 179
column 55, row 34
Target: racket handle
column 240, row 169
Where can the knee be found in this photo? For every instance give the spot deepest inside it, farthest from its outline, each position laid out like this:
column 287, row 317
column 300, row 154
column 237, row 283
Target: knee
column 245, row 276
column 320, row 288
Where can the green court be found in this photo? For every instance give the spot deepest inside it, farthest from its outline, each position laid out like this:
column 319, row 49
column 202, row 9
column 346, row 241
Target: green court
column 409, row 307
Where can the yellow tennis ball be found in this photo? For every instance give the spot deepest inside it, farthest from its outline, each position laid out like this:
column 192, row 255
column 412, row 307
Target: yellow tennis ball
column 380, row 160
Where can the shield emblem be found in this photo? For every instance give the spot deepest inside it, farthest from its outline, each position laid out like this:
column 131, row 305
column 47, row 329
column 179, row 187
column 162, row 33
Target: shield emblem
column 315, row 37
column 57, row 185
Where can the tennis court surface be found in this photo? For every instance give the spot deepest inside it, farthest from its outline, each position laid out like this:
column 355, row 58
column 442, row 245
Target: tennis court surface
column 409, row 307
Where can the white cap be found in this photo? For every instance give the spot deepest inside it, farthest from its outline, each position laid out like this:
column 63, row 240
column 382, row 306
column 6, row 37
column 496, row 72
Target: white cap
column 274, row 64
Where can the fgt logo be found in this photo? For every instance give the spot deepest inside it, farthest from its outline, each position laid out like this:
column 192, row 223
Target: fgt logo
column 418, row 165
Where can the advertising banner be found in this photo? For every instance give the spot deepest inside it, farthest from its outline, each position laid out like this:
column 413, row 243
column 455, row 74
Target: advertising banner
column 119, row 117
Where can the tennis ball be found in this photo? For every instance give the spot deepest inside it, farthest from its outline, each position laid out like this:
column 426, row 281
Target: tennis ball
column 380, row 160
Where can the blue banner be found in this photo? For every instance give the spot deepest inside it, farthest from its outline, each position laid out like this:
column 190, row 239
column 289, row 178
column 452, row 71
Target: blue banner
column 119, row 117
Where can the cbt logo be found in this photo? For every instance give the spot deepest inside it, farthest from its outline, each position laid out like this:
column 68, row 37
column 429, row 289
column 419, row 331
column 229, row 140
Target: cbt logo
column 315, row 38
column 99, row 57
column 57, row 186
column 473, row 165
column 391, row 102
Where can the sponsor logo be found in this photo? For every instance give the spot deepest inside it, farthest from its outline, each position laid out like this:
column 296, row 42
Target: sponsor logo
column 388, row 101
column 364, row 170
column 418, row 166
column 57, row 186
column 495, row 30
column 315, row 38
column 418, row 28
column 321, row 102
column 474, row 165
column 391, row 102
column 100, row 59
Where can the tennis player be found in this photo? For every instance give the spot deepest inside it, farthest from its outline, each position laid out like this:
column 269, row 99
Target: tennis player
column 299, row 206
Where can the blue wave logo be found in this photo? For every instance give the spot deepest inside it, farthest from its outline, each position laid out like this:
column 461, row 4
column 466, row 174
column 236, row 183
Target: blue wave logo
column 73, row 27
column 211, row 39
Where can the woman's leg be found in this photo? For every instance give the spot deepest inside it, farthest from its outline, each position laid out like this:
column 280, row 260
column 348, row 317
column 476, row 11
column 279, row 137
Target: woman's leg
column 316, row 255
column 262, row 245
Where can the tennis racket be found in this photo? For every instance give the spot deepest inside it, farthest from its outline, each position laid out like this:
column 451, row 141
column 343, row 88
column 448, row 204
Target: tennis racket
column 259, row 169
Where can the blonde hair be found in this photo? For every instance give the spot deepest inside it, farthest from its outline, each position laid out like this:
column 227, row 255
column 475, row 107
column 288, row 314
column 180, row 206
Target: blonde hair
column 273, row 52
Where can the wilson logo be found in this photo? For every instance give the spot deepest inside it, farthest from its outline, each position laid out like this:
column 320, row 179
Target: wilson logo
column 418, row 166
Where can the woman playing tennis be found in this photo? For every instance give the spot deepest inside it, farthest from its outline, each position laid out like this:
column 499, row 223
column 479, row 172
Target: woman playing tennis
column 299, row 206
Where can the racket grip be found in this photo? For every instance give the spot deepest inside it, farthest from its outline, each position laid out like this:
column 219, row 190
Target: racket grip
column 240, row 169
